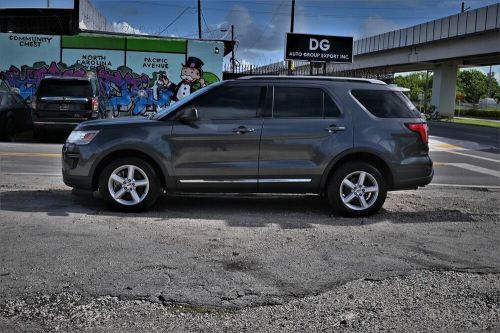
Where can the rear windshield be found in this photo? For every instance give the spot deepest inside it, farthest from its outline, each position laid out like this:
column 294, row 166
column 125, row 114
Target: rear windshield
column 69, row 88
column 386, row 103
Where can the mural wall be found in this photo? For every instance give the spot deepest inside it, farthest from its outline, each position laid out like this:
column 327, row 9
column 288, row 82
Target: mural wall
column 134, row 71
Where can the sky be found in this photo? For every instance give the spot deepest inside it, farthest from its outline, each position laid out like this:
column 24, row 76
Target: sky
column 260, row 25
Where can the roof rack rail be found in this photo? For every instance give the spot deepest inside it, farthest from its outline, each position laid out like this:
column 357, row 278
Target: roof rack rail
column 304, row 77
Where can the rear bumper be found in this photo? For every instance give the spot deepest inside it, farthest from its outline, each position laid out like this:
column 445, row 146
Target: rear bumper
column 413, row 173
column 63, row 123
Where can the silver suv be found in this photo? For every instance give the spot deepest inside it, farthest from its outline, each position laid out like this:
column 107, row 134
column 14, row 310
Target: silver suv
column 351, row 140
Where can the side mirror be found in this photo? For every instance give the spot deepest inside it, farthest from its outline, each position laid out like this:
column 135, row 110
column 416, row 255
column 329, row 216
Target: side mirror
column 189, row 116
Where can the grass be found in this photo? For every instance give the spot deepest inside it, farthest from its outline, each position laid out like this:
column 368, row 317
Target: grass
column 476, row 122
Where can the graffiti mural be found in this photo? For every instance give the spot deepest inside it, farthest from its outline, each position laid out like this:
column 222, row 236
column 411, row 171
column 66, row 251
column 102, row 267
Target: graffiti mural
column 136, row 80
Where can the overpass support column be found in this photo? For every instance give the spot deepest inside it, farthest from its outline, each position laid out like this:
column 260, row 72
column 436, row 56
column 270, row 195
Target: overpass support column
column 443, row 88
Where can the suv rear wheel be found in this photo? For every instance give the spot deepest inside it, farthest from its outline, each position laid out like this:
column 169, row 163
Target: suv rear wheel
column 129, row 184
column 357, row 189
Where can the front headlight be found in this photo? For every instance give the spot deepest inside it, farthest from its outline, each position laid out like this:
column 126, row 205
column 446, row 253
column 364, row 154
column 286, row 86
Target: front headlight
column 81, row 137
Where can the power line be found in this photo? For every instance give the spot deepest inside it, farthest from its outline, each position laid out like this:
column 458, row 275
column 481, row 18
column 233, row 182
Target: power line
column 175, row 20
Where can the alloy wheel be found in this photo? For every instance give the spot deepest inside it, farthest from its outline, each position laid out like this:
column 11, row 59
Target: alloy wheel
column 128, row 185
column 359, row 190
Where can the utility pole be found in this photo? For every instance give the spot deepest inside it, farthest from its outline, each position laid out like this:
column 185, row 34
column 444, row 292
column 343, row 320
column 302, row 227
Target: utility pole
column 291, row 30
column 232, row 51
column 199, row 19
column 463, row 7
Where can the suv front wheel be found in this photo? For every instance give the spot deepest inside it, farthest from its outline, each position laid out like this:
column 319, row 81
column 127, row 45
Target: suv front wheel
column 357, row 189
column 129, row 184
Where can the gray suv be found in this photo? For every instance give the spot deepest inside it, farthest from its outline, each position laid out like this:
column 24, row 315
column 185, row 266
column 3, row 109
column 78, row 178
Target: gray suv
column 350, row 140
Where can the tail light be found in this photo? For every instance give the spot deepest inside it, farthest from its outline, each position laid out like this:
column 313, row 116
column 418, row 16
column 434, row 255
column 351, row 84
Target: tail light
column 421, row 129
column 95, row 104
column 33, row 102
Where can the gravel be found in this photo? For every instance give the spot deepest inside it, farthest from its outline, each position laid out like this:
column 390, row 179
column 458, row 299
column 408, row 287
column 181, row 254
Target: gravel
column 419, row 302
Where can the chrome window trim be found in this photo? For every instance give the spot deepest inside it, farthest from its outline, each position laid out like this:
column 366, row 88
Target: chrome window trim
column 243, row 181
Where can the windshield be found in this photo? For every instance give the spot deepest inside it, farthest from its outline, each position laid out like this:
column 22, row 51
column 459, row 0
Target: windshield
column 184, row 101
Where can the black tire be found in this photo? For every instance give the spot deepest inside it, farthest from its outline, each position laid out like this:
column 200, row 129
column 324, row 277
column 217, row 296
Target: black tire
column 338, row 193
column 148, row 196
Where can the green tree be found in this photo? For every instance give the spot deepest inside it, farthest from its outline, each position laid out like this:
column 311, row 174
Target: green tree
column 416, row 83
column 474, row 85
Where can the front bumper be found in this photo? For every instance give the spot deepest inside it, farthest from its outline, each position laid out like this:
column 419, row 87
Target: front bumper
column 76, row 166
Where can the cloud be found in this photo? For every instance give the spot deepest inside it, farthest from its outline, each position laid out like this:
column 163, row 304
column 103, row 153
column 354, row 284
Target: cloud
column 126, row 28
column 257, row 40
column 375, row 25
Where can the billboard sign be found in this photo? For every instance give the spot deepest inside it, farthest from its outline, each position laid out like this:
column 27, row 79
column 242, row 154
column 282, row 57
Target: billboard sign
column 320, row 48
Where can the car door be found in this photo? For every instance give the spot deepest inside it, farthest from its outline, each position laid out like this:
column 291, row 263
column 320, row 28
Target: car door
column 220, row 150
column 304, row 129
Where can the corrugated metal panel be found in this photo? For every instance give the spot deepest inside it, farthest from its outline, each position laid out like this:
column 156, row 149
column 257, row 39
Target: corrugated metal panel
column 355, row 47
column 390, row 45
column 386, row 40
column 423, row 33
column 453, row 26
column 462, row 23
column 491, row 17
column 481, row 19
column 372, row 45
column 402, row 39
column 409, row 36
column 378, row 42
column 362, row 44
column 445, row 27
column 437, row 30
column 471, row 21
column 498, row 15
column 397, row 38
column 430, row 31
column 416, row 34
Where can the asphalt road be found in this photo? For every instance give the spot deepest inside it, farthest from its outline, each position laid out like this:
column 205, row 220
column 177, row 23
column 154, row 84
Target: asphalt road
column 465, row 155
column 427, row 262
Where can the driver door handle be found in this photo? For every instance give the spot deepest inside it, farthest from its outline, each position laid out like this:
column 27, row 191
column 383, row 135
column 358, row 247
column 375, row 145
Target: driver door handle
column 242, row 130
column 333, row 128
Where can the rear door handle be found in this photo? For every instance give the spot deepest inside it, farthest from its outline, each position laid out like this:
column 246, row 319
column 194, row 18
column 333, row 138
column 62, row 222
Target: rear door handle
column 242, row 130
column 333, row 128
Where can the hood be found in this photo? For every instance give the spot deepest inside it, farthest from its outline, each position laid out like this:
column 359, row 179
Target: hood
column 115, row 123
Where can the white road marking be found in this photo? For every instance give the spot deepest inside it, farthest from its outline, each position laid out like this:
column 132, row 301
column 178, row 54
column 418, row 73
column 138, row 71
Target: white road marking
column 469, row 155
column 470, row 167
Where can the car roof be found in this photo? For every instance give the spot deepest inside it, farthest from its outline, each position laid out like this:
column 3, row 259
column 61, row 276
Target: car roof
column 311, row 78
column 51, row 77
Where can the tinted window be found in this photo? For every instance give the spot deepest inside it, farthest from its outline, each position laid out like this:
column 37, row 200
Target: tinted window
column 8, row 100
column 331, row 109
column 297, row 102
column 1, row 99
column 229, row 103
column 70, row 88
column 386, row 104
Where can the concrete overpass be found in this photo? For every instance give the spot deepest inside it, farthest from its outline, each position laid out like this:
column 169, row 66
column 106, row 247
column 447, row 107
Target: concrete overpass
column 471, row 38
